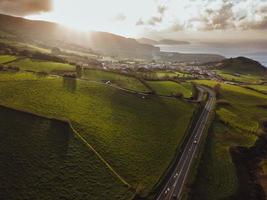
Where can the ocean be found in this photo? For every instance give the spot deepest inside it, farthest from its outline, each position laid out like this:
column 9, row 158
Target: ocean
column 256, row 53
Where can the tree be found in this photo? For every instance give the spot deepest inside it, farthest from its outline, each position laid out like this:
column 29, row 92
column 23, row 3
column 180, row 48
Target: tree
column 25, row 53
column 1, row 67
column 79, row 71
column 55, row 51
column 178, row 95
column 217, row 89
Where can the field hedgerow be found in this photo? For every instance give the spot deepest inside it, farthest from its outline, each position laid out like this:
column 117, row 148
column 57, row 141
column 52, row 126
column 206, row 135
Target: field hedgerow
column 171, row 88
column 6, row 58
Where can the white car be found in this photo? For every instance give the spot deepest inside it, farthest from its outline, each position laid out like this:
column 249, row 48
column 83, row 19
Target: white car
column 166, row 191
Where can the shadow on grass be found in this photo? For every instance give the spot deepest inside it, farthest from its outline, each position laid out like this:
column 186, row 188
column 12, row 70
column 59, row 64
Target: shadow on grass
column 70, row 84
column 32, row 149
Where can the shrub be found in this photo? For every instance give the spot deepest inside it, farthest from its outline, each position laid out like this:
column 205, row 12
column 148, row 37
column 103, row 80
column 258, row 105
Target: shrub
column 56, row 51
column 178, row 95
column 1, row 67
column 12, row 68
column 264, row 123
column 70, row 75
column 41, row 56
column 42, row 73
column 140, row 191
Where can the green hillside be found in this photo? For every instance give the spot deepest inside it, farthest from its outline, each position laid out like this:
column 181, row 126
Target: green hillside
column 137, row 137
column 44, row 160
column 7, row 58
column 171, row 88
column 242, row 65
column 120, row 80
column 41, row 66
column 236, row 124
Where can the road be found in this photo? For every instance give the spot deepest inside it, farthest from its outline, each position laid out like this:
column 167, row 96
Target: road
column 174, row 186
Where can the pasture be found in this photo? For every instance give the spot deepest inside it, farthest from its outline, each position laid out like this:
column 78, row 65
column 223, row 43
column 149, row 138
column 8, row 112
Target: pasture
column 42, row 66
column 7, row 58
column 244, row 78
column 137, row 137
column 260, row 88
column 169, row 88
column 117, row 79
column 163, row 74
column 236, row 124
column 43, row 159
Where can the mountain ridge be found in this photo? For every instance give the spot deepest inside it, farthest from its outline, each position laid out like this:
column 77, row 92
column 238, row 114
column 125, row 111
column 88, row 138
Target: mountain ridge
column 53, row 34
column 241, row 65
column 161, row 42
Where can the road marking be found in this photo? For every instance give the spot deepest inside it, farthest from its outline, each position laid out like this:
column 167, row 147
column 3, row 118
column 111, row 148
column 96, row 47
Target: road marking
column 183, row 154
column 193, row 155
column 206, row 118
column 197, row 132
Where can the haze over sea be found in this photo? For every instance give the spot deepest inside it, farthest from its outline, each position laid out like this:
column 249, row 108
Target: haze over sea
column 255, row 52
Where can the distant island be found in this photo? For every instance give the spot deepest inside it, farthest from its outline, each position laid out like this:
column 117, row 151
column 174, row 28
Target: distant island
column 161, row 42
column 172, row 42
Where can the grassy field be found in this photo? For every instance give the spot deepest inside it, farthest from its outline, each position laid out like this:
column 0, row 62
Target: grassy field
column 162, row 74
column 236, row 124
column 158, row 74
column 242, row 65
column 260, row 88
column 7, row 77
column 183, row 75
column 5, row 35
column 171, row 88
column 239, row 78
column 115, row 78
column 33, row 47
column 45, row 155
column 15, row 42
column 6, row 58
column 42, row 66
column 138, row 137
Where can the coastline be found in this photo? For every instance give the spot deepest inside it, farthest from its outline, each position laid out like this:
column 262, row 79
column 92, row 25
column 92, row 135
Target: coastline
column 258, row 54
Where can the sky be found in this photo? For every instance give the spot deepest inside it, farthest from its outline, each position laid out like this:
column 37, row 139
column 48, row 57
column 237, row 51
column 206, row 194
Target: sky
column 209, row 20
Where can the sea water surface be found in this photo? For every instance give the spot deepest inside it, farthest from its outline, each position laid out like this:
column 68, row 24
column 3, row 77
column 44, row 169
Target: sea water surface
column 258, row 53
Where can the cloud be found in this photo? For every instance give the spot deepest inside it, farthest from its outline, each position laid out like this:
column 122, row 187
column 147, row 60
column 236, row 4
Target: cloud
column 232, row 15
column 256, row 25
column 140, row 22
column 176, row 27
column 162, row 9
column 217, row 19
column 209, row 15
column 256, row 19
column 120, row 17
column 24, row 7
column 154, row 20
